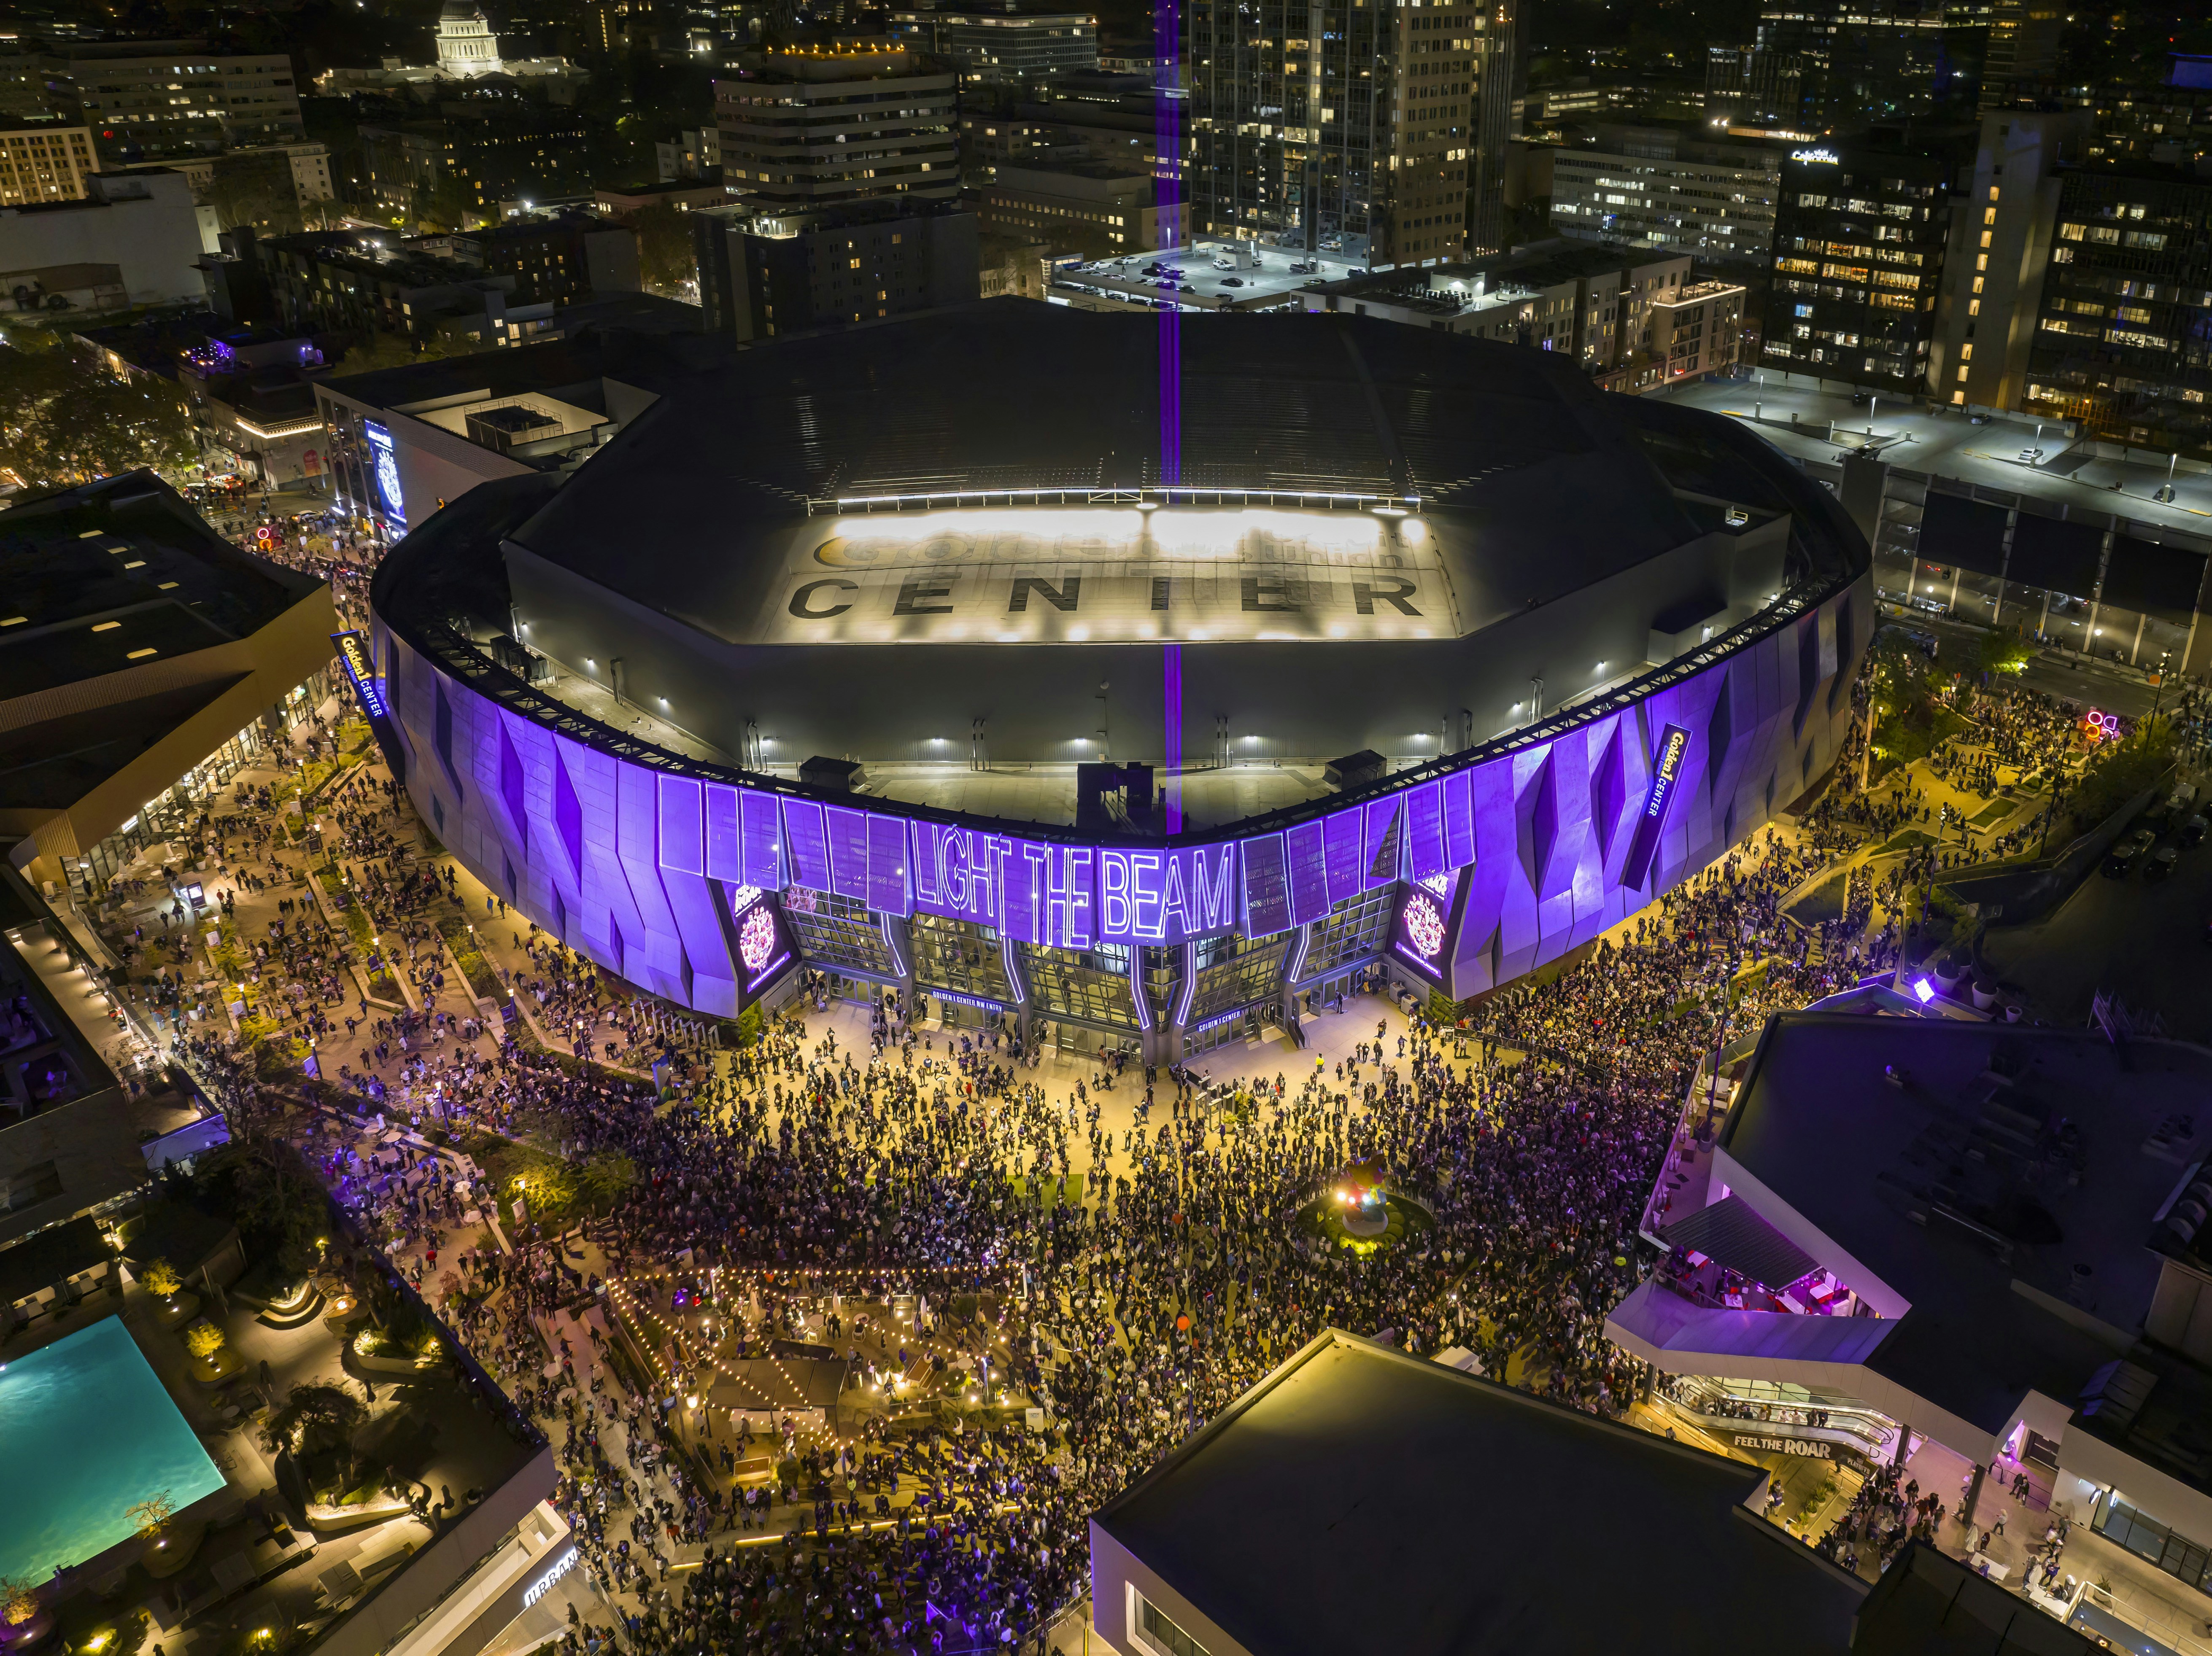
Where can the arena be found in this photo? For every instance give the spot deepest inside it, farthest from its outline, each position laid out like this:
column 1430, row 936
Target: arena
column 1140, row 690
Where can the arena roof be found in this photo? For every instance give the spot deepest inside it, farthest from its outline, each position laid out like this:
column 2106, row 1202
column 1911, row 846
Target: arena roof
column 701, row 509
column 1374, row 539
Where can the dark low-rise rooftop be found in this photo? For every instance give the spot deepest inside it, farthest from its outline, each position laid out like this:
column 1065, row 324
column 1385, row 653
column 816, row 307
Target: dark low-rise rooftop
column 1359, row 1499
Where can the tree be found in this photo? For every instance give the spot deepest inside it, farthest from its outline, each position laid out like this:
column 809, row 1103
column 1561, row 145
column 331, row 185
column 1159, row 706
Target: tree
column 18, row 1600
column 392, row 350
column 153, row 1515
column 2006, row 650
column 161, row 1278
column 65, row 419
column 204, row 1340
column 666, row 256
column 316, row 1416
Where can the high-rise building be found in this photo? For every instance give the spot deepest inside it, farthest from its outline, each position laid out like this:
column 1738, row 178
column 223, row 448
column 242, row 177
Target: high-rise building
column 816, row 126
column 1674, row 188
column 1751, row 86
column 2119, row 337
column 1835, row 65
column 1003, row 45
column 1378, row 132
column 765, row 275
column 1860, row 234
column 45, row 163
column 2000, row 249
column 2022, row 57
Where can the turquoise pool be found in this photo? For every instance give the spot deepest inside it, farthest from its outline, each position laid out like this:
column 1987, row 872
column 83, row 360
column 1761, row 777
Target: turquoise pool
column 87, row 1429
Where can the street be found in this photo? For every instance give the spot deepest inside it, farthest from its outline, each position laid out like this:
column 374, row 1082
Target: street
column 2144, row 940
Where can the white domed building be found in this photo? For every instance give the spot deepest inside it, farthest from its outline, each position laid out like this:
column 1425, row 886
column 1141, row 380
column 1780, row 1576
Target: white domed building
column 467, row 45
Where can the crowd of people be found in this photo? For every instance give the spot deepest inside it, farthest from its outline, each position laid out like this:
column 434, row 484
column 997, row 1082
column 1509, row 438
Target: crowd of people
column 1130, row 1281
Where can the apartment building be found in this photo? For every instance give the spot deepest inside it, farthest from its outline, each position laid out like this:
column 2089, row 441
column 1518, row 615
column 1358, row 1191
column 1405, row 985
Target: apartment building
column 1631, row 318
column 45, row 163
column 1082, row 205
column 157, row 100
column 769, row 275
column 2119, row 332
column 1003, row 46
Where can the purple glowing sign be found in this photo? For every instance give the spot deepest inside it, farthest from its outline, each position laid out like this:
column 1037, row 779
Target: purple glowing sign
column 1923, row 991
column 1666, row 771
column 1165, row 896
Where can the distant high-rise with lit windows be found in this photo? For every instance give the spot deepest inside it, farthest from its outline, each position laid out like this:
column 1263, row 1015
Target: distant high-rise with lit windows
column 1374, row 132
column 1861, row 227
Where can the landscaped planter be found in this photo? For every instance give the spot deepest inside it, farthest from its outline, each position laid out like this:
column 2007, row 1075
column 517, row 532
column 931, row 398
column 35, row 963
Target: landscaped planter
column 376, row 1363
column 168, row 1553
column 225, row 1365
column 323, row 1518
column 179, row 1308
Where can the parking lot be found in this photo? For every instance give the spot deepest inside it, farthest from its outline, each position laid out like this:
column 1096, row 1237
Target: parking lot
column 1813, row 423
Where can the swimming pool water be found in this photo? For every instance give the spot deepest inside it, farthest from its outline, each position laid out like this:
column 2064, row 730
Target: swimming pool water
column 86, row 1429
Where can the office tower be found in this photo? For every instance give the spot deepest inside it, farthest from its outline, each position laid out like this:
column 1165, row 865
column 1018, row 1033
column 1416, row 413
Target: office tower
column 1860, row 234
column 2022, row 57
column 2118, row 342
column 815, row 126
column 1834, row 65
column 1378, row 132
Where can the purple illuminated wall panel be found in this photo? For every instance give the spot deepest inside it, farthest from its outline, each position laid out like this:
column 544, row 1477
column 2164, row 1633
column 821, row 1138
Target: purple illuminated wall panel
column 887, row 889
column 1425, row 831
column 725, row 853
column 1305, row 854
column 848, row 851
column 1266, row 886
column 1340, row 833
column 511, row 780
column 682, row 842
column 1459, row 819
column 1382, row 835
column 568, row 813
column 764, row 866
column 808, row 843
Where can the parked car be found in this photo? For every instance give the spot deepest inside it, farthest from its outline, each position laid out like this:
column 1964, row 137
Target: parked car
column 2161, row 863
column 2192, row 831
column 2123, row 857
column 1232, row 281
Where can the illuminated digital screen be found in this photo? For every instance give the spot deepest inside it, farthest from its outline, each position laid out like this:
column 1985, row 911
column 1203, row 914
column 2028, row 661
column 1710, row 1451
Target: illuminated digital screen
column 384, row 467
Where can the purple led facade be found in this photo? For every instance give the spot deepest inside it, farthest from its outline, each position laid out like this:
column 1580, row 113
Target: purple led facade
column 632, row 865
